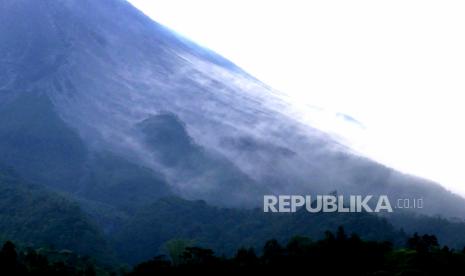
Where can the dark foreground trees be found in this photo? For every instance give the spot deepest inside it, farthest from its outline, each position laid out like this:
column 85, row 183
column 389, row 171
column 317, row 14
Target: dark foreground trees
column 336, row 254
column 14, row 262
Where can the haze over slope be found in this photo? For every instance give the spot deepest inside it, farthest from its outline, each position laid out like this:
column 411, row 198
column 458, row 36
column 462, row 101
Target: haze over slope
column 100, row 102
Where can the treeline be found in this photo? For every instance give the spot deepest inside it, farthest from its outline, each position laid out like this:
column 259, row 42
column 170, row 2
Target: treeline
column 336, row 254
column 14, row 262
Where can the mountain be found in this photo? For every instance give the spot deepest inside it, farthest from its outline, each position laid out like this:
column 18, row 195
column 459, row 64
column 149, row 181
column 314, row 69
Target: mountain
column 113, row 111
column 87, row 81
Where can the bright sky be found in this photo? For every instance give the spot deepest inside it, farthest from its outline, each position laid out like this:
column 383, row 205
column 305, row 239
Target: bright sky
column 397, row 66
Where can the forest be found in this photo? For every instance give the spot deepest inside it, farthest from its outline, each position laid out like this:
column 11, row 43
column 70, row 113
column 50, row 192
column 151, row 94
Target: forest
column 338, row 253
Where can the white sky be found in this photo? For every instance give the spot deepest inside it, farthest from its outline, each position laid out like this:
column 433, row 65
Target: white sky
column 397, row 66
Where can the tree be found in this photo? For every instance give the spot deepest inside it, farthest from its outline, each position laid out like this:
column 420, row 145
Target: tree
column 423, row 243
column 9, row 259
column 176, row 249
column 246, row 258
column 198, row 256
column 272, row 251
column 341, row 234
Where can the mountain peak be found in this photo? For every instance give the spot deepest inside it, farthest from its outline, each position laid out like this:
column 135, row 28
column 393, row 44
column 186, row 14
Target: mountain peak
column 104, row 68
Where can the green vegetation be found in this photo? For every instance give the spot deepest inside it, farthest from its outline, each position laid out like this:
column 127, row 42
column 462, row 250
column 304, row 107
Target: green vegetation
column 35, row 217
column 14, row 262
column 335, row 254
column 223, row 230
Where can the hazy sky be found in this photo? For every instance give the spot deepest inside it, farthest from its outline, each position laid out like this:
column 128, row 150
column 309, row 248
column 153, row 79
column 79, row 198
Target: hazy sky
column 396, row 66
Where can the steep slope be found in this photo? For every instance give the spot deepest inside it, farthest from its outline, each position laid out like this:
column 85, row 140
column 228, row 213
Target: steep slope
column 36, row 142
column 42, row 148
column 103, row 71
column 200, row 173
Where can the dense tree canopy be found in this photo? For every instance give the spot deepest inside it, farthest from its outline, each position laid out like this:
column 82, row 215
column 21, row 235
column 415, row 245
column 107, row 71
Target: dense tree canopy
column 336, row 254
